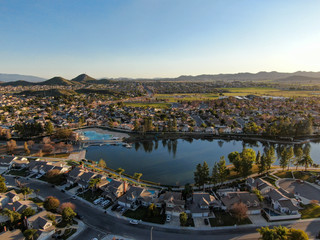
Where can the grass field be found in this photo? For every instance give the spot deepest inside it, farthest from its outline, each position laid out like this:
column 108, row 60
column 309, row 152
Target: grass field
column 235, row 92
column 146, row 104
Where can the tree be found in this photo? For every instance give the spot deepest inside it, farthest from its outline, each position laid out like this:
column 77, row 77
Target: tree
column 102, row 163
column 13, row 216
column 298, row 156
column 201, row 175
column 49, row 127
column 282, row 233
column 26, row 148
column 3, row 186
column 306, row 161
column 28, row 212
column 270, row 157
column 30, row 234
column 51, row 203
column 93, row 182
column 243, row 161
column 26, row 191
column 152, row 210
column 215, row 174
column 183, row 219
column 220, row 171
column 187, row 191
column 11, row 145
column 65, row 205
column 137, row 176
column 239, row 210
column 68, row 214
column 120, row 171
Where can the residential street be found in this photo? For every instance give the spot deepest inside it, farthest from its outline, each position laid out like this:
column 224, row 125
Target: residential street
column 101, row 223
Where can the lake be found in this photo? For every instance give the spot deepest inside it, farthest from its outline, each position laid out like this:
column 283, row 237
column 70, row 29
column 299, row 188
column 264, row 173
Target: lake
column 173, row 162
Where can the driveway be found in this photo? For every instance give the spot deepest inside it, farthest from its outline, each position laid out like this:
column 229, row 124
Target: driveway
column 257, row 219
column 303, row 189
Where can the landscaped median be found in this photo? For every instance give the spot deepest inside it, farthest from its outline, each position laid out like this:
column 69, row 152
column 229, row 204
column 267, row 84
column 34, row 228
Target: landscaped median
column 311, row 210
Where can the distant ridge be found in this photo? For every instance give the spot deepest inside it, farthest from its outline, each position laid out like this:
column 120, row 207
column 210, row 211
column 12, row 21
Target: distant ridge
column 298, row 79
column 18, row 83
column 4, row 77
column 83, row 78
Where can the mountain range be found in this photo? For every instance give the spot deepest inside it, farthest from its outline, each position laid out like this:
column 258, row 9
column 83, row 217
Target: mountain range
column 278, row 77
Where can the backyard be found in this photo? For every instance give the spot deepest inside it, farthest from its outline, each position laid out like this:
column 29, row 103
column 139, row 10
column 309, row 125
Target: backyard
column 142, row 214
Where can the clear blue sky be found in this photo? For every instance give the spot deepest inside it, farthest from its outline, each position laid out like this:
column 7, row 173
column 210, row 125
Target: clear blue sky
column 158, row 38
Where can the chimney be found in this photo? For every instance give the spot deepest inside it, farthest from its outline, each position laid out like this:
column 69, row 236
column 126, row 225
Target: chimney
column 4, row 228
column 14, row 209
column 124, row 187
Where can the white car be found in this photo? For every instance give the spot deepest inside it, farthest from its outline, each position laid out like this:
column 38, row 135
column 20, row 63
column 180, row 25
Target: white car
column 97, row 201
column 74, row 197
column 105, row 203
column 135, row 222
column 168, row 219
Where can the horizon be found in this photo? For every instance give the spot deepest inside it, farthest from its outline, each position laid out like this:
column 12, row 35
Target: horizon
column 154, row 78
column 171, row 38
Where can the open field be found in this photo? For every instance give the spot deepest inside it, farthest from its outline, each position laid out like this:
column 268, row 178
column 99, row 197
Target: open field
column 146, row 104
column 235, row 92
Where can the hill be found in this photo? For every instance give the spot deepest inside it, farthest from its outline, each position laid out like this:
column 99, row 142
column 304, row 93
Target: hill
column 82, row 78
column 299, row 79
column 50, row 92
column 59, row 81
column 18, row 83
column 4, row 77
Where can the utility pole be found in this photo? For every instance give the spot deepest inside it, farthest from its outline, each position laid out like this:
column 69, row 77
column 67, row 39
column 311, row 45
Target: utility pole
column 151, row 233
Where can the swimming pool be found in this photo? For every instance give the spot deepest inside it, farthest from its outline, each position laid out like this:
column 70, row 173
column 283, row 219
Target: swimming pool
column 93, row 135
column 152, row 191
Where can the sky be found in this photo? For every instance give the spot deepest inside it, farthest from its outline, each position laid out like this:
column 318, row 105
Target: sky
column 158, row 38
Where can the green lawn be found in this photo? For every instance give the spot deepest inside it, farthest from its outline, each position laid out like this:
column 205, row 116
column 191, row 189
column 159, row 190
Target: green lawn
column 142, row 214
column 284, row 174
column 91, row 196
column 310, row 211
column 226, row 219
column 270, row 180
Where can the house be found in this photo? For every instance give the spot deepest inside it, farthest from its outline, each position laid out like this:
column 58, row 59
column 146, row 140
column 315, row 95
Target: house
column 19, row 163
column 74, row 175
column 174, row 204
column 282, row 203
column 130, row 198
column 201, row 203
column 249, row 199
column 114, row 189
column 85, row 178
column 6, row 161
column 42, row 224
column 12, row 235
column 8, row 197
column 19, row 206
column 259, row 184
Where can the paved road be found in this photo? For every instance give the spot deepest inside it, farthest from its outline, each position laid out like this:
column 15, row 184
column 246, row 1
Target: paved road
column 100, row 222
column 304, row 189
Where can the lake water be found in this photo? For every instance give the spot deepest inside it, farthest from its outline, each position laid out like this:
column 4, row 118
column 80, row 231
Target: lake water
column 173, row 161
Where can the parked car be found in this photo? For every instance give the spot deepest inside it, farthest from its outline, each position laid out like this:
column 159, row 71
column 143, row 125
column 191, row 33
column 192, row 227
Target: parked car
column 74, row 197
column 168, row 219
column 114, row 207
column 63, row 190
column 206, row 222
column 122, row 211
column 97, row 201
column 105, row 203
column 135, row 222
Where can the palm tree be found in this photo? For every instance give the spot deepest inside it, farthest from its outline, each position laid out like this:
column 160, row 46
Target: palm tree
column 120, row 171
column 137, row 176
column 26, row 191
column 93, row 183
column 30, row 234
